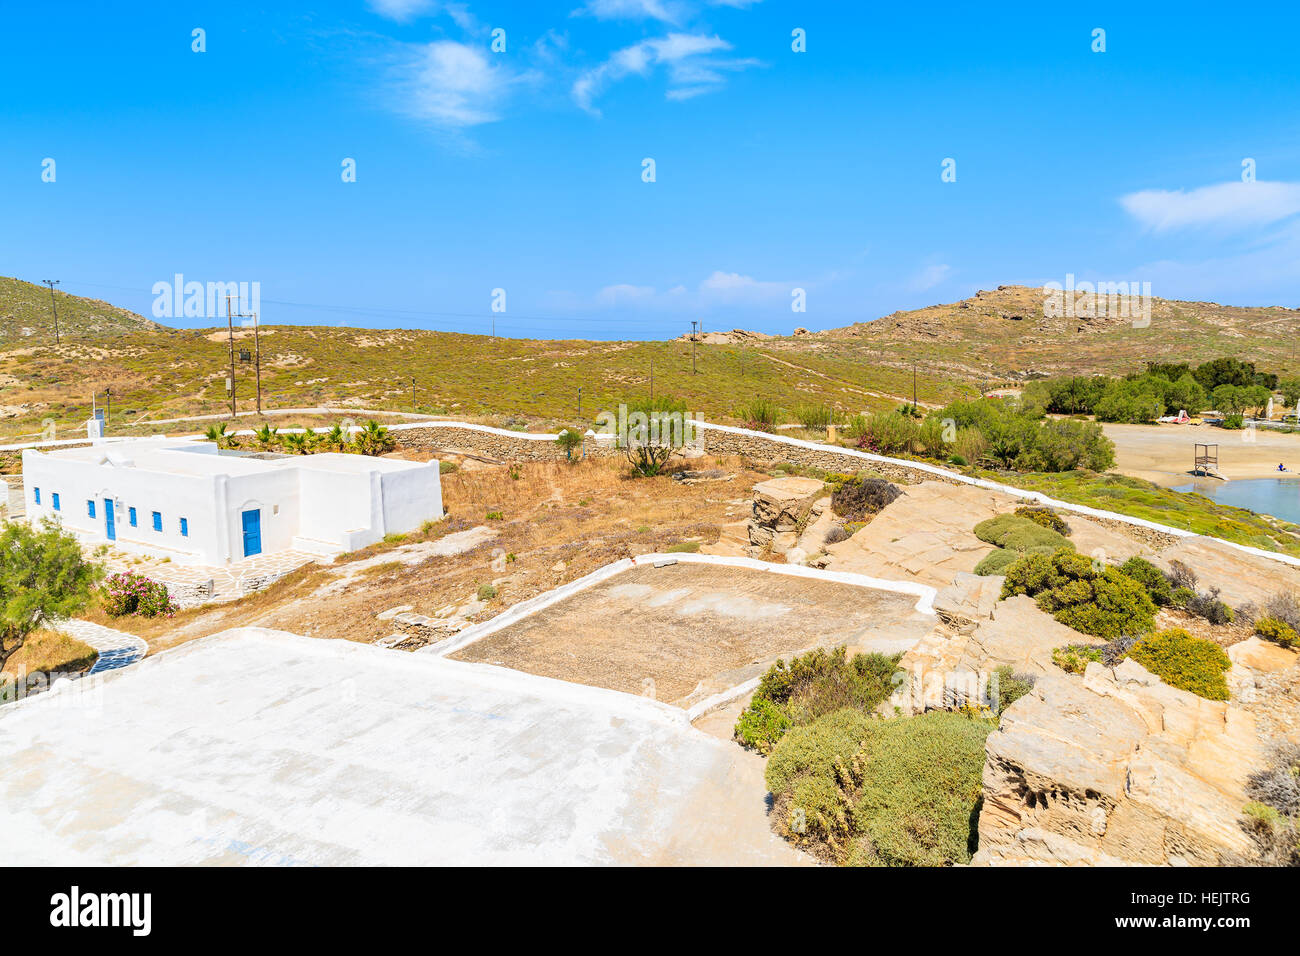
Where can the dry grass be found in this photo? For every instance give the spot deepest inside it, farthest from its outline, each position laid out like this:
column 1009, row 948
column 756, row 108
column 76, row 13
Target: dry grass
column 50, row 652
column 559, row 522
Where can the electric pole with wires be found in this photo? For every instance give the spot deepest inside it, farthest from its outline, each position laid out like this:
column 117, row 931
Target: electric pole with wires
column 54, row 308
column 694, row 326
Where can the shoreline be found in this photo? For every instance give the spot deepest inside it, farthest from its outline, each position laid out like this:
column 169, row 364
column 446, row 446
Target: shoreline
column 1163, row 454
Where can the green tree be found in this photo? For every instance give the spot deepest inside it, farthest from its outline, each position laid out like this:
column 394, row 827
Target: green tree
column 569, row 439
column 1290, row 388
column 373, row 439
column 43, row 575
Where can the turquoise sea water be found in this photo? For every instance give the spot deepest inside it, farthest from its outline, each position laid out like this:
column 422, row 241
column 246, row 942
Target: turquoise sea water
column 1279, row 497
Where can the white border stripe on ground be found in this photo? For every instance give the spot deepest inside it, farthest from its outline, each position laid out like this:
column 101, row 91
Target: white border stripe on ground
column 923, row 593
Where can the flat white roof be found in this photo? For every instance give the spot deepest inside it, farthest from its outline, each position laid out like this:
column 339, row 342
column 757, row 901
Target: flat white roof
column 262, row 747
column 196, row 458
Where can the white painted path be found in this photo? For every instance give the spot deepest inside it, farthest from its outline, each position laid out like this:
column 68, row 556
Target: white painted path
column 116, row 648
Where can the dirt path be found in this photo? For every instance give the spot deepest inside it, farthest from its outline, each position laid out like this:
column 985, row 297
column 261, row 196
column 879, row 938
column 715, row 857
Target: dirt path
column 843, row 383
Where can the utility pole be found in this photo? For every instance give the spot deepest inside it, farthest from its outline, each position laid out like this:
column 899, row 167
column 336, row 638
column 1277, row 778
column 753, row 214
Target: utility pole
column 54, row 308
column 108, row 403
column 580, row 401
column 230, row 323
column 652, row 378
column 414, row 407
column 257, row 362
column 694, row 324
column 915, row 409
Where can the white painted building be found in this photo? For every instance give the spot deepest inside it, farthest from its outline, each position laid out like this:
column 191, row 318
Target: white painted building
column 195, row 504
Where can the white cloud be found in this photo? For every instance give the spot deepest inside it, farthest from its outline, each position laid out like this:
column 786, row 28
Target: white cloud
column 929, row 277
column 630, row 10
column 1225, row 205
column 453, row 85
column 623, row 293
column 404, row 10
column 688, row 59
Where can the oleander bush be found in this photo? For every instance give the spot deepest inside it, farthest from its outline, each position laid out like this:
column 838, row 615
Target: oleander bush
column 859, row 790
column 128, row 593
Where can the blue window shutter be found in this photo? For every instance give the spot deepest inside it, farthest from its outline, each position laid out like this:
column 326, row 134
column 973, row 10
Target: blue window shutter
column 38, row 495
column 185, row 527
column 90, row 507
column 157, row 520
column 131, row 514
column 55, row 498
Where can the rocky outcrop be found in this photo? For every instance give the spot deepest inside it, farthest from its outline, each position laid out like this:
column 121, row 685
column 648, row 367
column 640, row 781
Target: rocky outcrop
column 781, row 511
column 1116, row 768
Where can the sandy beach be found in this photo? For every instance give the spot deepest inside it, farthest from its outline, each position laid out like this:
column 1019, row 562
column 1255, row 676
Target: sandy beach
column 1163, row 453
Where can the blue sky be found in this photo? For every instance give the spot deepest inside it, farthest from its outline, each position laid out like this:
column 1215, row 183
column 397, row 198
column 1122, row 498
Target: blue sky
column 522, row 170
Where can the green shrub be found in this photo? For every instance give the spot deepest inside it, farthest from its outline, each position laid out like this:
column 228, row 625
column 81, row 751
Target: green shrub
column 1188, row 663
column 1075, row 658
column 814, row 416
column 1277, row 631
column 486, row 592
column 1272, row 818
column 1103, row 602
column 494, row 516
column 1152, row 578
column 811, row 685
column 759, row 414
column 447, row 467
column 997, row 561
column 1181, row 596
column 860, row 498
column 1044, row 516
column 898, row 792
column 890, row 433
column 1011, row 686
column 683, row 547
column 1207, row 605
column 1020, row 534
column 957, row 460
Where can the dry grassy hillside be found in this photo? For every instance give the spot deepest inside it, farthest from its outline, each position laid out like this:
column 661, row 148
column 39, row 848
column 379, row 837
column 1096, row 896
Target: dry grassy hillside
column 955, row 350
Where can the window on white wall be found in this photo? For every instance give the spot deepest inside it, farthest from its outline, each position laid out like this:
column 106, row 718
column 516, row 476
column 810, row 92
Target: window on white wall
column 157, row 520
column 54, row 499
column 185, row 527
column 90, row 507
column 38, row 495
column 130, row 513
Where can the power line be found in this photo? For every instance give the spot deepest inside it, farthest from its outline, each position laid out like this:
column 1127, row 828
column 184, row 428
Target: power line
column 54, row 308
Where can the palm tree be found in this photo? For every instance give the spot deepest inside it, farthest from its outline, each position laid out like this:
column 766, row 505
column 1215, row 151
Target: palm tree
column 297, row 443
column 373, row 439
column 267, row 436
column 336, row 438
column 219, row 435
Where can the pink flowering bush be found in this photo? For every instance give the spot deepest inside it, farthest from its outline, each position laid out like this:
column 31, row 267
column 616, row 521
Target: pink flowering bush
column 131, row 593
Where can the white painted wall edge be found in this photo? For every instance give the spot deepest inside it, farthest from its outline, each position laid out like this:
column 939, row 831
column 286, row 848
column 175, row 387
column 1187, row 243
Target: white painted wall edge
column 924, row 594
column 1035, row 496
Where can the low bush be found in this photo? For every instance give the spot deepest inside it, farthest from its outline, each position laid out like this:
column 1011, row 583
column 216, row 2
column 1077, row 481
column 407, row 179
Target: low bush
column 683, row 547
column 130, row 593
column 1272, row 818
column 1104, row 602
column 863, row 791
column 860, row 498
column 809, row 686
column 1152, row 578
column 759, row 414
column 1207, row 605
column 836, row 534
column 1284, row 607
column 890, row 433
column 1044, row 516
column 1075, row 658
column 1277, row 631
column 997, row 561
column 1010, row 686
column 1020, row 534
column 814, row 416
column 1186, row 662
column 957, row 460
column 486, row 592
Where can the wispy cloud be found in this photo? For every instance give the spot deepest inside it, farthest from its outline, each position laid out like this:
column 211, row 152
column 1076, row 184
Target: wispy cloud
column 688, row 58
column 453, row 85
column 404, row 11
column 929, row 277
column 662, row 10
column 1230, row 205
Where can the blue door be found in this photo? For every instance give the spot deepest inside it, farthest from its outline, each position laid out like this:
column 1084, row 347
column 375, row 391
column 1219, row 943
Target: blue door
column 252, row 532
column 110, row 526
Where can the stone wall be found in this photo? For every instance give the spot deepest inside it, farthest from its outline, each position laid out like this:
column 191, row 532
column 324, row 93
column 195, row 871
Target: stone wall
column 489, row 444
column 760, row 449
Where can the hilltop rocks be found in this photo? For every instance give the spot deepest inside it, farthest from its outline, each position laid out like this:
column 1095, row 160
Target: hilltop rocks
column 734, row 337
column 1116, row 768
